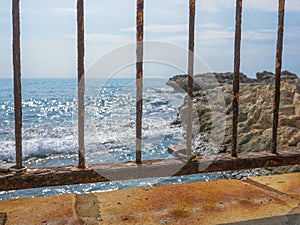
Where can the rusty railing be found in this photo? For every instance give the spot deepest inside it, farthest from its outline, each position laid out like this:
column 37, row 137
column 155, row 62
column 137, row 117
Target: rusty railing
column 41, row 177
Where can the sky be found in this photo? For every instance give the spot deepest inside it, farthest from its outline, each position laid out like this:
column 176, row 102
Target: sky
column 48, row 35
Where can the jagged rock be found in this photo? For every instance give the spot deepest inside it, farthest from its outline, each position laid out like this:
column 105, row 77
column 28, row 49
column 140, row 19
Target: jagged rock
column 214, row 111
column 205, row 81
column 267, row 76
column 286, row 75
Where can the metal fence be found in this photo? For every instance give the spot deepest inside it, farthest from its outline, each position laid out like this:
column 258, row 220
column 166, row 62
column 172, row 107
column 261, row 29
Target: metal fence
column 187, row 163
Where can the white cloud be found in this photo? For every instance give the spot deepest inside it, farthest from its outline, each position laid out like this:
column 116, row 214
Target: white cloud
column 175, row 39
column 216, row 34
column 70, row 10
column 261, row 5
column 259, row 35
column 210, row 5
column 159, row 28
column 108, row 37
column 64, row 10
column 265, row 5
column 104, row 38
column 219, row 36
column 271, row 5
column 209, row 26
column 179, row 1
column 216, row 5
column 293, row 5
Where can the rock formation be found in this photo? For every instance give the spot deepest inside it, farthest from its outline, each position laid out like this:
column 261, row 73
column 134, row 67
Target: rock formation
column 213, row 112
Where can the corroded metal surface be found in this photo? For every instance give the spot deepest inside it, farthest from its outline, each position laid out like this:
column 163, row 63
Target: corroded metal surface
column 56, row 176
column 278, row 73
column 213, row 202
column 81, row 82
column 189, row 126
column 236, row 76
column 139, row 77
column 17, row 81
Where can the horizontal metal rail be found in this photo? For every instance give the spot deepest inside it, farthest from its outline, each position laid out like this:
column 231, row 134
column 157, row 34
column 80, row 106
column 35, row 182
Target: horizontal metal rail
column 57, row 176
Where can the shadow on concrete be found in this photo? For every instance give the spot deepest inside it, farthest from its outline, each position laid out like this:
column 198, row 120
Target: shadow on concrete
column 3, row 218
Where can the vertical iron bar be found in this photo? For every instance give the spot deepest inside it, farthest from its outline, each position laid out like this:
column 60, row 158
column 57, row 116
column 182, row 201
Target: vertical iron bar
column 189, row 128
column 81, row 82
column 278, row 73
column 139, row 78
column 17, row 82
column 236, row 76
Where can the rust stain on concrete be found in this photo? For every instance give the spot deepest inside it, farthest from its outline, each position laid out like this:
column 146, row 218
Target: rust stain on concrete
column 47, row 210
column 213, row 202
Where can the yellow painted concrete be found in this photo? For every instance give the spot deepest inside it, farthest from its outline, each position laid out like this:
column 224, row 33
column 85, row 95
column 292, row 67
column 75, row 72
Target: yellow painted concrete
column 286, row 183
column 214, row 202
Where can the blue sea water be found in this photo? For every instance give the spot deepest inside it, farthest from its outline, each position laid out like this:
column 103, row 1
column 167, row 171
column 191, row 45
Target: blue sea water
column 50, row 127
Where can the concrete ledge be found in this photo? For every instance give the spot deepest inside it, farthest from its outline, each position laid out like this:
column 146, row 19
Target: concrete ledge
column 213, row 202
column 288, row 184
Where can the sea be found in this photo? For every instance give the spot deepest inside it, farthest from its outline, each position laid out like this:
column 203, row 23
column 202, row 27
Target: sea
column 50, row 128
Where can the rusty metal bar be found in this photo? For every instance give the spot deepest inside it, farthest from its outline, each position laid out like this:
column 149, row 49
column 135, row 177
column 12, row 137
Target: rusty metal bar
column 139, row 78
column 236, row 76
column 81, row 82
column 17, row 82
column 189, row 127
column 57, row 176
column 278, row 73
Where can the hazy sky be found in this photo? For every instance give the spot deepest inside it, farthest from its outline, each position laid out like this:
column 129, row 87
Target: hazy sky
column 48, row 33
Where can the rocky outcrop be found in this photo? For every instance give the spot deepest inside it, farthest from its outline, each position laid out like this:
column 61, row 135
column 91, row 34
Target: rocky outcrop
column 213, row 111
column 205, row 81
column 266, row 76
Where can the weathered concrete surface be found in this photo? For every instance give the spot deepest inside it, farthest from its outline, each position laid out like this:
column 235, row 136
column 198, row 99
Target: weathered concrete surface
column 213, row 202
column 47, row 210
column 286, row 183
